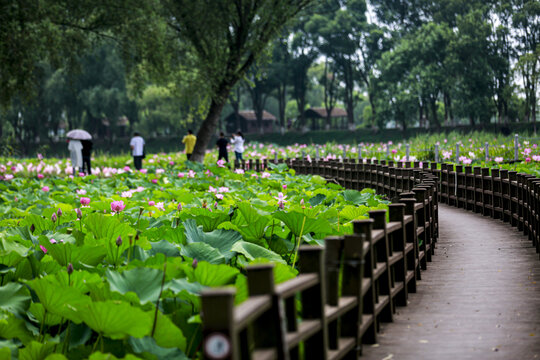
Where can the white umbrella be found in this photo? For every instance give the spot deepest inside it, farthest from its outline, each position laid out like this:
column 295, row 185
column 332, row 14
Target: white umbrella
column 79, row 134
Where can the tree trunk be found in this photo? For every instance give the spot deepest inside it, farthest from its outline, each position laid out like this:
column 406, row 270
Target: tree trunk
column 209, row 124
column 282, row 103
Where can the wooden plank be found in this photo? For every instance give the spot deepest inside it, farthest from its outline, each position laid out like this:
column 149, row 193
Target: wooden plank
column 299, row 283
column 305, row 329
column 393, row 226
column 379, row 270
column 377, row 235
column 396, row 256
column 383, row 301
column 345, row 345
column 251, row 309
column 345, row 303
column 264, row 354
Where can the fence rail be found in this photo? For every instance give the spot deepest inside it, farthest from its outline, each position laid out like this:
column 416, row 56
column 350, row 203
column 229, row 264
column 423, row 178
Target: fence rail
column 344, row 289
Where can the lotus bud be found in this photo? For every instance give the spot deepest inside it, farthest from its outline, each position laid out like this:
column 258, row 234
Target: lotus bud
column 79, row 213
column 141, row 209
column 32, row 228
column 179, row 207
column 215, row 205
column 59, row 212
column 70, row 269
column 194, row 263
column 284, row 187
column 118, row 240
column 53, row 217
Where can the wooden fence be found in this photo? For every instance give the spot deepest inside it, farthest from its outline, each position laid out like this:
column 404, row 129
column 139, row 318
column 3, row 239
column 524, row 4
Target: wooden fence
column 501, row 194
column 344, row 289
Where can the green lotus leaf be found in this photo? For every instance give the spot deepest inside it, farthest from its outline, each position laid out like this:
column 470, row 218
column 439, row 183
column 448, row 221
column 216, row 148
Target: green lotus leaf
column 300, row 224
column 214, row 275
column 167, row 334
column 253, row 251
column 101, row 356
column 148, row 345
column 208, row 220
column 351, row 212
column 37, row 311
column 144, row 282
column 78, row 256
column 164, row 247
column 59, row 300
column 203, row 252
column 14, row 298
column 36, row 351
column 317, row 199
column 221, row 240
column 12, row 327
column 116, row 320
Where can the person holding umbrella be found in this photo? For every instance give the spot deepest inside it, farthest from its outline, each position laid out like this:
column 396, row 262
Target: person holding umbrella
column 75, row 147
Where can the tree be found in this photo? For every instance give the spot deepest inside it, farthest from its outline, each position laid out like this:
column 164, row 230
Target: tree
column 226, row 47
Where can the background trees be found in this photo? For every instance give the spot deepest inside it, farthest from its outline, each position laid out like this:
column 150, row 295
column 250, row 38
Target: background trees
column 169, row 65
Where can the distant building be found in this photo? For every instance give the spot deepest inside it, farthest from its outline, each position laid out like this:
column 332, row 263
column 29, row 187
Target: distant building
column 318, row 118
column 246, row 121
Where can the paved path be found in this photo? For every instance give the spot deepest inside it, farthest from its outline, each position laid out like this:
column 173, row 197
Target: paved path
column 479, row 298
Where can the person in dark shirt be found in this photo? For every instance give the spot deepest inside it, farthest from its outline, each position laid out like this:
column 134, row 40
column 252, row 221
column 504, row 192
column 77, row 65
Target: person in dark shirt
column 222, row 147
column 86, row 154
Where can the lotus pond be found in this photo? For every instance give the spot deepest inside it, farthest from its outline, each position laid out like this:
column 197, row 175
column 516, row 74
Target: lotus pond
column 106, row 267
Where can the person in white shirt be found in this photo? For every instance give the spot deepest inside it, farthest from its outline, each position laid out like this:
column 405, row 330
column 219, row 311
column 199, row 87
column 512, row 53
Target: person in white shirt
column 238, row 142
column 75, row 153
column 137, row 150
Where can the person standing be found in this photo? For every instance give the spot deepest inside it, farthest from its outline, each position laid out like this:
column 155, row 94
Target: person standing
column 190, row 141
column 222, row 147
column 137, row 150
column 86, row 155
column 238, row 142
column 75, row 153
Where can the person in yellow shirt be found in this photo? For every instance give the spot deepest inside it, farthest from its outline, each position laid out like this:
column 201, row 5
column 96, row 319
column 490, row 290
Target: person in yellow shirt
column 190, row 141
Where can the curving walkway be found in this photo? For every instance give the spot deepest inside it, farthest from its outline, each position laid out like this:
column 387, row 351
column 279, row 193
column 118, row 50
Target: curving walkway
column 479, row 299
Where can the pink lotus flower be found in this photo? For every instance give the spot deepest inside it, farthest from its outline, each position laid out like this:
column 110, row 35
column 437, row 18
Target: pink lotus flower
column 85, row 201
column 499, row 159
column 160, row 171
column 284, row 187
column 143, row 171
column 40, row 176
column 154, row 181
column 191, row 174
column 171, row 163
column 52, row 241
column 127, row 168
column 127, row 194
column 40, row 157
column 117, row 206
column 221, row 163
column 265, row 175
column 45, row 189
column 223, row 189
column 528, row 159
column 219, row 196
column 43, row 248
column 160, row 206
column 151, row 203
column 8, row 177
column 239, row 171
column 181, row 175
column 81, row 192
